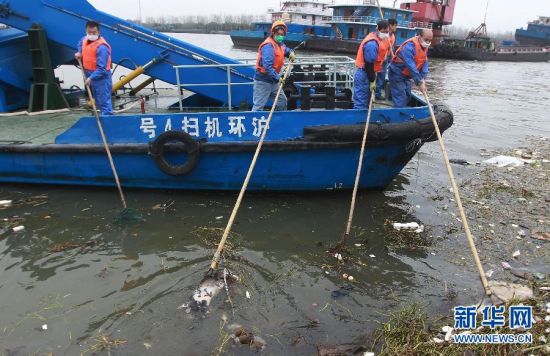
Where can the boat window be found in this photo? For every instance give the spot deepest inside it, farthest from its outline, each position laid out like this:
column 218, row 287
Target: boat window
column 304, row 17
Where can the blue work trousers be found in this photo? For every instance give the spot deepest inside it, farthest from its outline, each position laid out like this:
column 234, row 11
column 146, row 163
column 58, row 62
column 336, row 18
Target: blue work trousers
column 361, row 89
column 380, row 80
column 264, row 92
column 101, row 90
column 400, row 87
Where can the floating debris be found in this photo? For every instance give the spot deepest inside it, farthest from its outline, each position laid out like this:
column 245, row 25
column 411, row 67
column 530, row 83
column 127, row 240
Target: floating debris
column 18, row 228
column 243, row 336
column 516, row 253
column 44, row 327
column 63, row 247
column 510, row 291
column 539, row 235
column 407, row 226
column 505, row 161
column 5, row 203
column 461, row 162
column 165, row 205
column 344, row 349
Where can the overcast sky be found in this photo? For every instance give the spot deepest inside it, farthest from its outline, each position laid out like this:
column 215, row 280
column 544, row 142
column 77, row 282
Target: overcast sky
column 502, row 16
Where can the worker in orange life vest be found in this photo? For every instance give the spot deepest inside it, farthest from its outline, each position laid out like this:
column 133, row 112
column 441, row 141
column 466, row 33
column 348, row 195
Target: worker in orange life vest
column 271, row 58
column 381, row 78
column 95, row 54
column 409, row 64
column 371, row 56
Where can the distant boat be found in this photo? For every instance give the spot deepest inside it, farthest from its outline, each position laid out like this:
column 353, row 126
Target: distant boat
column 327, row 27
column 537, row 32
column 479, row 46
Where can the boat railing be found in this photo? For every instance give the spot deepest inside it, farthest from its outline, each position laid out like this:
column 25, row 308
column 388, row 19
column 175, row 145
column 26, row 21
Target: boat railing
column 338, row 71
column 521, row 49
column 355, row 19
column 372, row 20
column 418, row 24
column 303, row 10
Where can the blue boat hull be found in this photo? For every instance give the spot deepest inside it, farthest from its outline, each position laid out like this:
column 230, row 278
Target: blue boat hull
column 304, row 151
column 319, row 169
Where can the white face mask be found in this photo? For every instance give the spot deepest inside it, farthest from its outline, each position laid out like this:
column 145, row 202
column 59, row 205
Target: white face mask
column 383, row 35
column 92, row 37
column 424, row 43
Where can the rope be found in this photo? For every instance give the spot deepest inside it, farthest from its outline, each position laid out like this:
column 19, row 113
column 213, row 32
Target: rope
column 218, row 252
column 473, row 248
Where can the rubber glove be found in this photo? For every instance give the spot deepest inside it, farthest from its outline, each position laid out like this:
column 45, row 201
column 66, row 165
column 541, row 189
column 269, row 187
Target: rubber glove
column 372, row 86
column 292, row 56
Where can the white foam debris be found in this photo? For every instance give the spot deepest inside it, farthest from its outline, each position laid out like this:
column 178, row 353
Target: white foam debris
column 406, row 226
column 18, row 228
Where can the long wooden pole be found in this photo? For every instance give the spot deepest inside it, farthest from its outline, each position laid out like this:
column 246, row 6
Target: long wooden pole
column 344, row 238
column 217, row 254
column 469, row 236
column 103, row 138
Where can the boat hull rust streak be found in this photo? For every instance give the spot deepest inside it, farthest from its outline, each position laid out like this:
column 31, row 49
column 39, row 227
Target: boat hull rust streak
column 299, row 153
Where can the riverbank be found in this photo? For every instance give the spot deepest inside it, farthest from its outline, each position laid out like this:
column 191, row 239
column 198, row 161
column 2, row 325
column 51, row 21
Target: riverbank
column 508, row 208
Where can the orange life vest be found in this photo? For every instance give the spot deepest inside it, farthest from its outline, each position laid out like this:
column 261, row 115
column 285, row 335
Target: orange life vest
column 383, row 47
column 89, row 53
column 392, row 40
column 420, row 55
column 279, row 60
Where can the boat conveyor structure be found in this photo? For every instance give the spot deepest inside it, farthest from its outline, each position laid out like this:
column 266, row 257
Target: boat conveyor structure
column 64, row 22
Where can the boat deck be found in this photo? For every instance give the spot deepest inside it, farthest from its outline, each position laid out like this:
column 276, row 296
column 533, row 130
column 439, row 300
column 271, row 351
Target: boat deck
column 39, row 129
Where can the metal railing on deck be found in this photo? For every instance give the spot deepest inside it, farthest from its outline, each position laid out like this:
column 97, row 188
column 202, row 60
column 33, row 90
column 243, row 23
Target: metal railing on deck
column 373, row 20
column 339, row 71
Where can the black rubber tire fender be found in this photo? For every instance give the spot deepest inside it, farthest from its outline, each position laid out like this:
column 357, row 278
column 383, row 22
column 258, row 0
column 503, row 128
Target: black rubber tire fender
column 192, row 149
